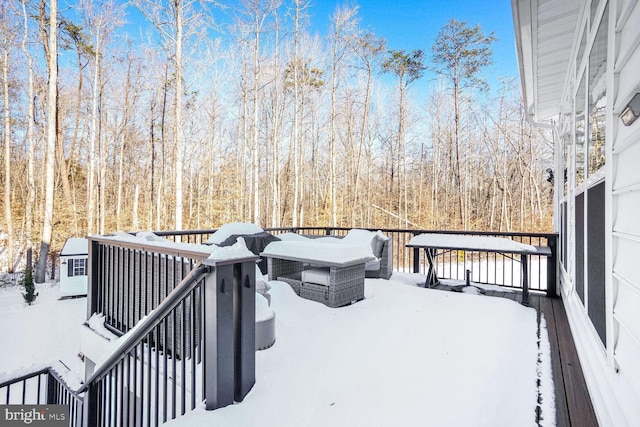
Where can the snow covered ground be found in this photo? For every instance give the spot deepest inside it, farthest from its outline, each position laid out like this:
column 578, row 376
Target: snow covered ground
column 402, row 356
column 42, row 333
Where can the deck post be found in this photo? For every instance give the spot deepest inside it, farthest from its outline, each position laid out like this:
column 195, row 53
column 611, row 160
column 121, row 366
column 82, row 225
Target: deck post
column 416, row 260
column 524, row 260
column 218, row 337
column 93, row 277
column 245, row 329
column 52, row 395
column 229, row 333
column 90, row 406
column 552, row 267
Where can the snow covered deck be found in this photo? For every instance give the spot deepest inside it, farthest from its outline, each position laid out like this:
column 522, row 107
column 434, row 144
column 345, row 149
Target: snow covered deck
column 572, row 401
column 362, row 329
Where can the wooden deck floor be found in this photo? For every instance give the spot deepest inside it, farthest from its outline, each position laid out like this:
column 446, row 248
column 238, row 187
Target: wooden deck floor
column 573, row 404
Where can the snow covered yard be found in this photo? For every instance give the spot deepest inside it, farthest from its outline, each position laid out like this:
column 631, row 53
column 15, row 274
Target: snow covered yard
column 402, row 356
column 42, row 333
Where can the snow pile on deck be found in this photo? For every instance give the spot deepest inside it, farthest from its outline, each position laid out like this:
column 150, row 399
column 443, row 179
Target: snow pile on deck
column 228, row 230
column 236, row 251
column 315, row 250
column 403, row 356
column 436, row 240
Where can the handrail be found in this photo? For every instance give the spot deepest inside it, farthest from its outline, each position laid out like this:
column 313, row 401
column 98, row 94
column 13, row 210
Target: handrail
column 406, row 259
column 157, row 248
column 148, row 323
column 398, row 230
column 22, row 377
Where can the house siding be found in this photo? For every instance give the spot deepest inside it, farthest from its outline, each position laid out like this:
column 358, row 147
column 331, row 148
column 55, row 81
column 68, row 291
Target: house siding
column 601, row 275
column 625, row 196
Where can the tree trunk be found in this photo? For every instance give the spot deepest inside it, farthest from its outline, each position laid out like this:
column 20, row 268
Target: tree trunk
column 275, row 175
column 296, row 115
column 31, row 185
column 7, row 158
column 93, row 139
column 123, row 140
column 179, row 159
column 135, row 225
column 47, row 228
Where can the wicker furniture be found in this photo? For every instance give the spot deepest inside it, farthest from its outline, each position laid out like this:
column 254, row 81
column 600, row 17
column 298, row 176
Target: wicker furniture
column 379, row 266
column 334, row 277
column 385, row 261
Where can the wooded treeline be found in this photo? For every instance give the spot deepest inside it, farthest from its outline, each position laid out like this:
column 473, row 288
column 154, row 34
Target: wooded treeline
column 271, row 124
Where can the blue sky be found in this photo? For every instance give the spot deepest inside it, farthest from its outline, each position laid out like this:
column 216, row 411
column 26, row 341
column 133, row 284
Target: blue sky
column 414, row 24
column 405, row 24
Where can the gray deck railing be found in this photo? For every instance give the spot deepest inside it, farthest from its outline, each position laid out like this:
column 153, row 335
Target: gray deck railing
column 42, row 387
column 152, row 375
column 193, row 339
column 186, row 347
column 485, row 267
column 132, row 279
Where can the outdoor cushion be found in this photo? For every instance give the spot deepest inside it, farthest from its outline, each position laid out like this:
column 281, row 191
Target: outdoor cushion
column 319, row 276
column 237, row 228
column 255, row 243
column 375, row 240
column 372, row 265
column 377, row 244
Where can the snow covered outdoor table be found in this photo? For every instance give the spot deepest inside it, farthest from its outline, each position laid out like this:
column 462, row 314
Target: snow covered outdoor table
column 337, row 275
column 431, row 242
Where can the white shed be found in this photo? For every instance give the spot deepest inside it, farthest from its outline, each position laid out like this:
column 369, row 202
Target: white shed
column 73, row 267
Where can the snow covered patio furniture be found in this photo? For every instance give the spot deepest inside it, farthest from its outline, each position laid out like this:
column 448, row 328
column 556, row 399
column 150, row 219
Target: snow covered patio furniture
column 375, row 244
column 320, row 271
column 432, row 242
column 254, row 237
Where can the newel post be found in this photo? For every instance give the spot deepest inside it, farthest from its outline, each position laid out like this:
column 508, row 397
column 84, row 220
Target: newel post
column 229, row 331
column 94, row 274
column 552, row 267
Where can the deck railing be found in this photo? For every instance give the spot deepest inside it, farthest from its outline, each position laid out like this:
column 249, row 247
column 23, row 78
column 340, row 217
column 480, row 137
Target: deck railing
column 132, row 279
column 485, row 267
column 42, row 387
column 154, row 375
column 182, row 350
column 188, row 323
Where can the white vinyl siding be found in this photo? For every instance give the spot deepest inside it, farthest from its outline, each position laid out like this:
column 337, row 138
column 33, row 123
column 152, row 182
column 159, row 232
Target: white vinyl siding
column 626, row 207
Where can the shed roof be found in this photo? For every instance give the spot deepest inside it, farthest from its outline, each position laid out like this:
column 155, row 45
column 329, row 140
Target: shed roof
column 545, row 31
column 75, row 246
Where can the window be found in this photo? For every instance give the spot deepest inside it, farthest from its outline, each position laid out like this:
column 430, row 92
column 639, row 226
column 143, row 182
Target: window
column 77, row 267
column 579, row 245
column 580, row 133
column 595, row 267
column 564, row 248
column 598, row 97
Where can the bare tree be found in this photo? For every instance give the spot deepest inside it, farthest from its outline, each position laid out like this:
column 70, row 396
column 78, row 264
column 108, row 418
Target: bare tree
column 31, row 186
column 101, row 19
column 369, row 49
column 7, row 35
column 299, row 15
column 52, row 101
column 73, row 37
column 177, row 23
column 459, row 54
column 342, row 35
column 407, row 67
